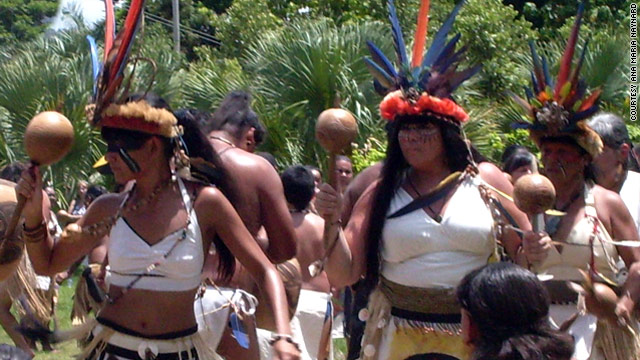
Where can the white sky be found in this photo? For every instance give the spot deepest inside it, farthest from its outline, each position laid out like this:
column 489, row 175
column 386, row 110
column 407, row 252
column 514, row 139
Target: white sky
column 91, row 10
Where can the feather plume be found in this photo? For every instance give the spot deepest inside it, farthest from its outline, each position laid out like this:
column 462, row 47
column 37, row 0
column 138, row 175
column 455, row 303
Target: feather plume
column 421, row 34
column 547, row 75
column 567, row 57
column 590, row 101
column 574, row 79
column 438, row 43
column 381, row 60
column 95, row 63
column 379, row 74
column 113, row 68
column 447, row 55
column 398, row 39
column 540, row 81
column 110, row 27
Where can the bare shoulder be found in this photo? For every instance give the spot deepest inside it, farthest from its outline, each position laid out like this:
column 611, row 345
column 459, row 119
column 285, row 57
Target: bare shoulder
column 607, row 197
column 314, row 220
column 104, row 206
column 491, row 173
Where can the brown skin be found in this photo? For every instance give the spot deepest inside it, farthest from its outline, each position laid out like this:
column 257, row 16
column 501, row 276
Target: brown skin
column 309, row 228
column 357, row 187
column 140, row 308
column 426, row 156
column 344, row 173
column 609, row 169
column 610, row 209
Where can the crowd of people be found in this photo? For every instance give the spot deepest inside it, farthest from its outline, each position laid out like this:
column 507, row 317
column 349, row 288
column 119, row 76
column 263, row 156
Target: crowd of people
column 205, row 250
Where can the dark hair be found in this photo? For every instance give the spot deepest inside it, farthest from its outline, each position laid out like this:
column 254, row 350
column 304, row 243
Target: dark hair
column 510, row 307
column 95, row 191
column 13, row 171
column 509, row 150
column 393, row 172
column 299, row 186
column 235, row 116
column 519, row 157
column 197, row 146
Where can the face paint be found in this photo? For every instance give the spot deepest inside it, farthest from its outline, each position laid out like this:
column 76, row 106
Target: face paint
column 131, row 164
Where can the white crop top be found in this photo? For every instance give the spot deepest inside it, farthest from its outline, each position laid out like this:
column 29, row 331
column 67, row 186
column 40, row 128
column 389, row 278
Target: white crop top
column 419, row 251
column 130, row 256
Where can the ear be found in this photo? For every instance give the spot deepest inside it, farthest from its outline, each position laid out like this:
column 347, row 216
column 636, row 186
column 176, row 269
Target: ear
column 623, row 152
column 470, row 332
column 249, row 141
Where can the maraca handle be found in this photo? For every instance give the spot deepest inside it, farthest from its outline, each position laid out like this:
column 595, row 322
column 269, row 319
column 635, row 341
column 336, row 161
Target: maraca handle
column 331, row 178
column 15, row 218
column 537, row 222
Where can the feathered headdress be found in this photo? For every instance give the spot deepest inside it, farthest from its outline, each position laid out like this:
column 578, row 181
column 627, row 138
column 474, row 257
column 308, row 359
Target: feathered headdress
column 108, row 98
column 424, row 85
column 561, row 109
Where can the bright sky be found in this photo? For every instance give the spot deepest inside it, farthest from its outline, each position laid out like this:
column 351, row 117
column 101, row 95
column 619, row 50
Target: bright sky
column 91, row 10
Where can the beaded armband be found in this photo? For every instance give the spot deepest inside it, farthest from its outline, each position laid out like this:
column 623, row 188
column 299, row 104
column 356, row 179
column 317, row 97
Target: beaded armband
column 35, row 234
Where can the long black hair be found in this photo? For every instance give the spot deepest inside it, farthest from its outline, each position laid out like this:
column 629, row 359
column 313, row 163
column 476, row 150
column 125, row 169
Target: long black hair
column 393, row 173
column 510, row 307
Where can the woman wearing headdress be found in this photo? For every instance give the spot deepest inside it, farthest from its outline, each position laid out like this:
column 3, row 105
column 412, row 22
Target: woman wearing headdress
column 158, row 232
column 429, row 220
column 585, row 237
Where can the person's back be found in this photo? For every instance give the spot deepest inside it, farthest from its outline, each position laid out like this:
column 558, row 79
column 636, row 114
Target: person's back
column 315, row 296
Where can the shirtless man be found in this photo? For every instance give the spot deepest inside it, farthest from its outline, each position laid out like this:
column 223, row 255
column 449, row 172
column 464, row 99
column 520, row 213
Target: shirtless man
column 315, row 295
column 255, row 191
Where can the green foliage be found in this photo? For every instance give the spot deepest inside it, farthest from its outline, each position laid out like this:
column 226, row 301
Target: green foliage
column 548, row 16
column 208, row 80
column 194, row 15
column 300, row 70
column 242, row 23
column 495, row 36
column 24, row 20
column 372, row 151
column 48, row 74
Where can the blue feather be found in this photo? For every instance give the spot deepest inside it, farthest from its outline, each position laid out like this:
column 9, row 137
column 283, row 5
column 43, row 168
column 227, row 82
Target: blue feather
column 398, row 39
column 441, row 36
column 528, row 93
column 95, row 63
column 381, row 60
column 540, row 77
column 584, row 114
column 379, row 73
column 547, row 76
column 534, row 83
column 447, row 51
column 381, row 90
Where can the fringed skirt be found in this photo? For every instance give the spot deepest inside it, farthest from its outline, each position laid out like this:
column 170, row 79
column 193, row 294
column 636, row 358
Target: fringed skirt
column 108, row 341
column 412, row 323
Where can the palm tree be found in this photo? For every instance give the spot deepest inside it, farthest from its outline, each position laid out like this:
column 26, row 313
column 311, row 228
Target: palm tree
column 299, row 71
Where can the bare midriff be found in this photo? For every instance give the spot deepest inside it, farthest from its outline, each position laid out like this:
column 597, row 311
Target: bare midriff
column 150, row 312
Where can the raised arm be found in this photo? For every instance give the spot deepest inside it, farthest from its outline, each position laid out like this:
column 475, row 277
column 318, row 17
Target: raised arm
column 49, row 258
column 217, row 216
column 276, row 218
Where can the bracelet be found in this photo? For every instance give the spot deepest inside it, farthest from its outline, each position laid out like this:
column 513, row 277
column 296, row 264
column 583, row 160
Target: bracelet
column 288, row 338
column 35, row 234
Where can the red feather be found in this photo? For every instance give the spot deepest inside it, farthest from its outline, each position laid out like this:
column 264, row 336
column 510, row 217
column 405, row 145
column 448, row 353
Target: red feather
column 588, row 102
column 421, row 34
column 567, row 57
column 109, row 27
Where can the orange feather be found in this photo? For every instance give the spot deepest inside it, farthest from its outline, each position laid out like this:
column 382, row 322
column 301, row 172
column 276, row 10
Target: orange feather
column 421, row 34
